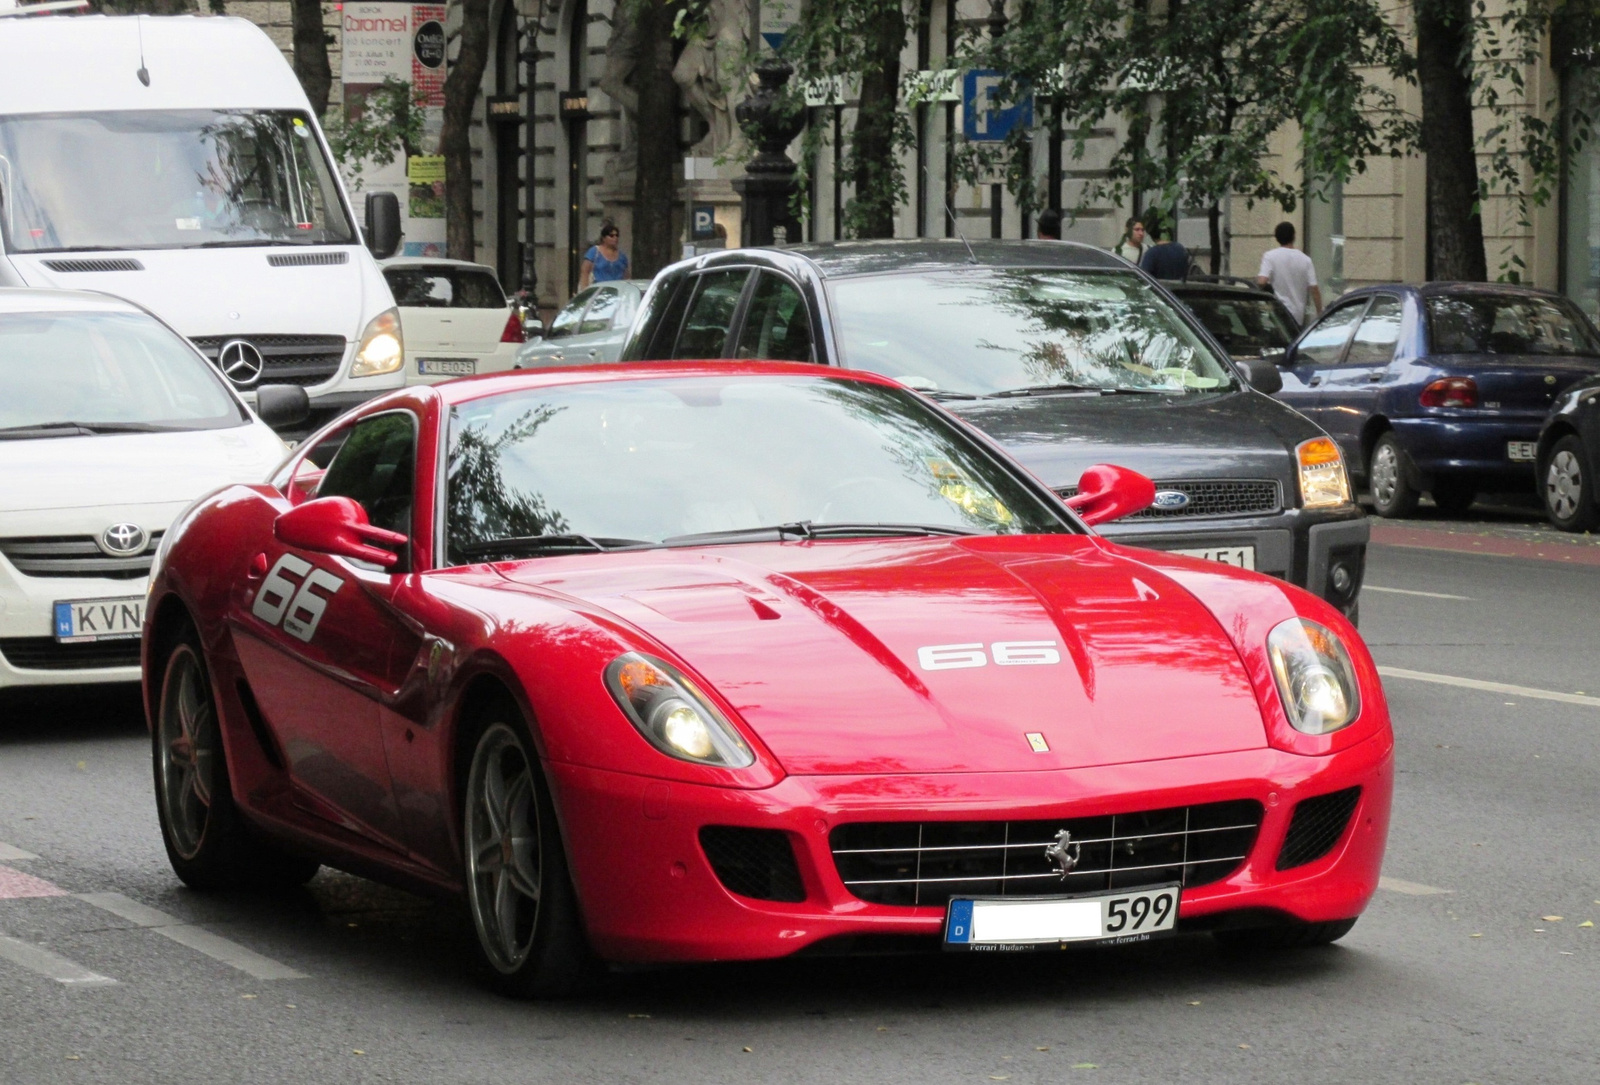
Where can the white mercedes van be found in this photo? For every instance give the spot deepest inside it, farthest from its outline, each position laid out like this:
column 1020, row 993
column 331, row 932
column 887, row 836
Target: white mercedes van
column 175, row 161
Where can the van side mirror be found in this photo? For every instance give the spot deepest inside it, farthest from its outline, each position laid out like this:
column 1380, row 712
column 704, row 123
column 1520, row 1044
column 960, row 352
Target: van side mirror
column 1262, row 373
column 280, row 405
column 382, row 226
column 338, row 526
column 1106, row 493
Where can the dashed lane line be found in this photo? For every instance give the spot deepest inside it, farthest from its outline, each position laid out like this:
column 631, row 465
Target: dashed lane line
column 1410, row 889
column 10, row 854
column 214, row 946
column 1421, row 594
column 1491, row 687
column 51, row 965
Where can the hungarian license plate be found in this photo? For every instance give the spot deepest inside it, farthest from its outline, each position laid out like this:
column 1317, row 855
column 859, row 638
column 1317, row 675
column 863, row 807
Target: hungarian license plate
column 1242, row 557
column 1013, row 923
column 1522, row 451
column 79, row 621
column 447, row 367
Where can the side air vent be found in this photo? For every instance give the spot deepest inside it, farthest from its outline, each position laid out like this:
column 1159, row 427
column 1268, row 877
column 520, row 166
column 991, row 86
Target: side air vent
column 119, row 263
column 756, row 863
column 308, row 259
column 1316, row 827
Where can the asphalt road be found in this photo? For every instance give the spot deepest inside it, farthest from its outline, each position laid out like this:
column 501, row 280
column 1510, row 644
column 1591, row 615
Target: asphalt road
column 1453, row 975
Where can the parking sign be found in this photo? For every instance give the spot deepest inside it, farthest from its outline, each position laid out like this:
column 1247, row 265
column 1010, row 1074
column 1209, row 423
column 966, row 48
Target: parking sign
column 986, row 119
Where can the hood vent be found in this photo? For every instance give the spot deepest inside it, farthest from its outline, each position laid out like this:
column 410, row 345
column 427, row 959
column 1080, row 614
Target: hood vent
column 308, row 259
column 121, row 263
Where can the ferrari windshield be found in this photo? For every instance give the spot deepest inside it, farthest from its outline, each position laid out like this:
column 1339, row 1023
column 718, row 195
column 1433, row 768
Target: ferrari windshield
column 708, row 459
column 147, row 179
column 981, row 331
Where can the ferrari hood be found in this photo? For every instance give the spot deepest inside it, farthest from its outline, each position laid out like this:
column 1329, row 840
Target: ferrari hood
column 936, row 655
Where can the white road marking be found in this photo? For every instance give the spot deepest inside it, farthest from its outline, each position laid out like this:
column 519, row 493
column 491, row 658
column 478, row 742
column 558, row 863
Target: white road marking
column 214, row 946
column 41, row 960
column 1410, row 889
column 1423, row 594
column 10, row 854
column 1490, row 687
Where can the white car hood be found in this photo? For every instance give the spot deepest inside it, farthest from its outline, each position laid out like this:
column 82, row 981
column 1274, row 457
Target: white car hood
column 132, row 469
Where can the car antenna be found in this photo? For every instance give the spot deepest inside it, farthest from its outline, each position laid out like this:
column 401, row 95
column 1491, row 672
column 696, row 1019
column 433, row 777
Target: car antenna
column 972, row 257
column 143, row 73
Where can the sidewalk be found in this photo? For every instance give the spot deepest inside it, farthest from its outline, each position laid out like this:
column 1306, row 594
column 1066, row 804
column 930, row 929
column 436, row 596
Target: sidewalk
column 1495, row 530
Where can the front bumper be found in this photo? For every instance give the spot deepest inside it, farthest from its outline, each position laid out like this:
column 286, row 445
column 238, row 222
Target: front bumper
column 27, row 624
column 1454, row 445
column 649, row 893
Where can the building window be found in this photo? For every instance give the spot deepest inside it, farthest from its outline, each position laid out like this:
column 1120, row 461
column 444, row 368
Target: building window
column 1580, row 199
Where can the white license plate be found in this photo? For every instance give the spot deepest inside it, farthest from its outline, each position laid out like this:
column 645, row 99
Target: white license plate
column 1242, row 557
column 1131, row 915
column 79, row 621
column 447, row 367
column 1522, row 451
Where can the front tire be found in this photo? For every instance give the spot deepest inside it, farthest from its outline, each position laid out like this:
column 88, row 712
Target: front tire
column 1289, row 936
column 519, row 891
column 1388, row 478
column 1569, row 489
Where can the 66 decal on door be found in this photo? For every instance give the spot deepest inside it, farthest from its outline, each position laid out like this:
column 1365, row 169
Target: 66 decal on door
column 286, row 597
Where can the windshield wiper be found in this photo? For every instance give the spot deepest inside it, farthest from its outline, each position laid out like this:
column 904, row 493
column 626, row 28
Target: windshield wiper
column 805, row 529
column 80, row 429
column 1097, row 389
column 531, row 545
column 869, row 530
column 945, row 393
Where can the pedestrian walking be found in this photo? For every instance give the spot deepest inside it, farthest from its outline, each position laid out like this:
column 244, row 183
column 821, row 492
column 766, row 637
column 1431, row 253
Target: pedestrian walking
column 1049, row 225
column 1131, row 247
column 605, row 261
column 1291, row 274
column 1163, row 259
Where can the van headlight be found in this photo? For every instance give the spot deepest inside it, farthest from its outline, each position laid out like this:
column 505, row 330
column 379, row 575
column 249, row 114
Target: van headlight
column 1315, row 677
column 1323, row 482
column 675, row 716
column 382, row 349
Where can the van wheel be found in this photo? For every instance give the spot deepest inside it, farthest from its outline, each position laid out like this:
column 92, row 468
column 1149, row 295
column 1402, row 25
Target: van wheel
column 1392, row 492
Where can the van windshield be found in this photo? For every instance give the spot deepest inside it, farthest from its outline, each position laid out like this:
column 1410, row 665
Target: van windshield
column 165, row 179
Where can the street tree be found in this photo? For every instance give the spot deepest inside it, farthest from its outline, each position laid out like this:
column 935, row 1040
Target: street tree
column 311, row 64
column 461, row 92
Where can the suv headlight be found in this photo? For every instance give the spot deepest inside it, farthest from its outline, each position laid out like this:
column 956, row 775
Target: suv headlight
column 675, row 716
column 1315, row 677
column 1323, row 482
column 382, row 349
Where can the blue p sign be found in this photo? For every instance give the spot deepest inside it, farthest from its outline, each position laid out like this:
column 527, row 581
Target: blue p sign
column 986, row 118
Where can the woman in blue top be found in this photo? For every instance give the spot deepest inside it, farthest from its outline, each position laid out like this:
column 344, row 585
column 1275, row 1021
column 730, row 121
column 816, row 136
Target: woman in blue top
column 605, row 262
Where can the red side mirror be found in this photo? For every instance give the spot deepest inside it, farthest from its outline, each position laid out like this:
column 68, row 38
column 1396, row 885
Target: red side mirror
column 1107, row 493
column 338, row 526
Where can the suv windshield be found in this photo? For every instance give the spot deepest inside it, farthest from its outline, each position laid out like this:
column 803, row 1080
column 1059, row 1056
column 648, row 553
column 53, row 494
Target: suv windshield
column 165, row 179
column 104, row 372
column 1508, row 324
column 651, row 461
column 1246, row 324
column 981, row 331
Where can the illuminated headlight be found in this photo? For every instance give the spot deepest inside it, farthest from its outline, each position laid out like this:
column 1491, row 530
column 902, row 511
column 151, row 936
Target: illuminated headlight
column 670, row 712
column 1315, row 678
column 1322, row 478
column 382, row 350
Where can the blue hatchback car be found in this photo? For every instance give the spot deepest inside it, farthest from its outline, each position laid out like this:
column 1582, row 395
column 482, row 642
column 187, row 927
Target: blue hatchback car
column 1439, row 388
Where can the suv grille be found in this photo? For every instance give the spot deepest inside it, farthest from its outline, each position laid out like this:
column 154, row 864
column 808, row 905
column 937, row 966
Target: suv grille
column 46, row 654
column 75, row 555
column 756, row 863
column 1209, row 497
column 1316, row 827
column 912, row 863
column 286, row 359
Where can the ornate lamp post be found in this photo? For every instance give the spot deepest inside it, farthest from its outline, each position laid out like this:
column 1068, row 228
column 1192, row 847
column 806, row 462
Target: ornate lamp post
column 767, row 188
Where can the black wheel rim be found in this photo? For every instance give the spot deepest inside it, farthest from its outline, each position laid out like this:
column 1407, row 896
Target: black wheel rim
column 186, row 752
column 504, row 862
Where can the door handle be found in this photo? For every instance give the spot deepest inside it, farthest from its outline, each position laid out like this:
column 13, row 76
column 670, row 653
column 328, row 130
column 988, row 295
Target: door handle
column 1375, row 377
column 1314, row 381
column 594, row 354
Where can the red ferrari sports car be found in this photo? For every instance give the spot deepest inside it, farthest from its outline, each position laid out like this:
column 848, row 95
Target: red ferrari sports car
column 712, row 661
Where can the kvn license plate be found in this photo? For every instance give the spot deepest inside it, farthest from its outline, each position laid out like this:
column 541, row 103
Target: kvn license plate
column 1017, row 923
column 447, row 367
column 1241, row 557
column 79, row 621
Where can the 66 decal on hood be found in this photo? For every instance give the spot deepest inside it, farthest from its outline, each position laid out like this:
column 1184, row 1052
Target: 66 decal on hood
column 689, row 610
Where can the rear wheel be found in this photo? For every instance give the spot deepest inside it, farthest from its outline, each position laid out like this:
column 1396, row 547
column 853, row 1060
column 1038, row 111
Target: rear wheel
column 1289, row 936
column 1568, row 491
column 1454, row 498
column 1388, row 479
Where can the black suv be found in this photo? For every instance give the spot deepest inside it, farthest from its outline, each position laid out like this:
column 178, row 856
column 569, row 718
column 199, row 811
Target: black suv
column 1065, row 355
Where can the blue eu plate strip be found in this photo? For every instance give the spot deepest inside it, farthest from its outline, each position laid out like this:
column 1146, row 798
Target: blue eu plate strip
column 958, row 927
column 63, row 619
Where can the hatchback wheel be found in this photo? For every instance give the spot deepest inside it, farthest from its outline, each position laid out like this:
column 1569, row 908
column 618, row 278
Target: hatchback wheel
column 1569, row 497
column 1387, row 478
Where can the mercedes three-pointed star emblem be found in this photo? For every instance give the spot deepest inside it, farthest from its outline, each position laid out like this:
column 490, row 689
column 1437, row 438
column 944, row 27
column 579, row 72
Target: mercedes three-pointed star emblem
column 241, row 362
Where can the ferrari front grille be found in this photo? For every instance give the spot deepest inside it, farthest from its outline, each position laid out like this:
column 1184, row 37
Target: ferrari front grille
column 75, row 555
column 48, row 654
column 756, row 863
column 1209, row 497
column 1316, row 827
column 926, row 863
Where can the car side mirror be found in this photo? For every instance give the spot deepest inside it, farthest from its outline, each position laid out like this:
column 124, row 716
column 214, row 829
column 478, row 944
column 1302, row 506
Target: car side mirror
column 280, row 405
column 382, row 224
column 1107, row 493
column 337, row 526
column 1263, row 375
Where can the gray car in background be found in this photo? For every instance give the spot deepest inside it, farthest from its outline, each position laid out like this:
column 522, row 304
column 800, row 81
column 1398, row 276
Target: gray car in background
column 592, row 327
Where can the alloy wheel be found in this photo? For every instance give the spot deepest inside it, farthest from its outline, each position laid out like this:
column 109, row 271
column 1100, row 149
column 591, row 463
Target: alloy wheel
column 1563, row 485
column 188, row 751
column 504, row 864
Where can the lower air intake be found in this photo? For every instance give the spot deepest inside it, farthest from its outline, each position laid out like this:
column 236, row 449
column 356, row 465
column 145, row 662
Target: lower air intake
column 756, row 863
column 1316, row 827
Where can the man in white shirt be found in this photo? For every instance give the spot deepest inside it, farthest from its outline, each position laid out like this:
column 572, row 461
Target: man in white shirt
column 1290, row 274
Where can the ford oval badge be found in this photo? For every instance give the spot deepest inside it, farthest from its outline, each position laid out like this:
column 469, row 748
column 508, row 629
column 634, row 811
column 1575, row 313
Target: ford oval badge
column 1171, row 499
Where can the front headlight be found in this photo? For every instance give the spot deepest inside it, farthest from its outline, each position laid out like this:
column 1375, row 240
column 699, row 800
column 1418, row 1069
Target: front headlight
column 1315, row 678
column 1322, row 478
column 382, row 349
column 670, row 712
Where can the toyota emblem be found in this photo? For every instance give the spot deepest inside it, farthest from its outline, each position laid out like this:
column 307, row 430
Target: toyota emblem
column 123, row 540
column 240, row 362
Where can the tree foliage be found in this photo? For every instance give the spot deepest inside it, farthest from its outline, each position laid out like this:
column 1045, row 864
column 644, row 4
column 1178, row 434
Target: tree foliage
column 386, row 124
